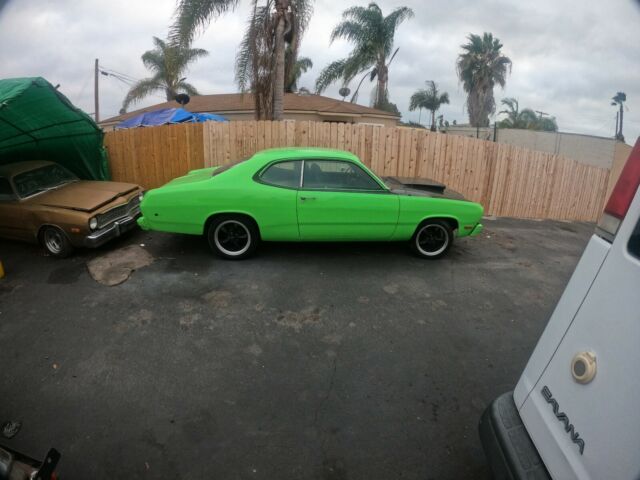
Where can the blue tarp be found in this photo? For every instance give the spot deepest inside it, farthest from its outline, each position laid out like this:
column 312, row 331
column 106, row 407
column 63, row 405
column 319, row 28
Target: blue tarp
column 168, row 115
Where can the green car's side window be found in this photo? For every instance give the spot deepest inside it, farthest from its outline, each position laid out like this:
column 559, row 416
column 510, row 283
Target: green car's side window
column 337, row 175
column 283, row 174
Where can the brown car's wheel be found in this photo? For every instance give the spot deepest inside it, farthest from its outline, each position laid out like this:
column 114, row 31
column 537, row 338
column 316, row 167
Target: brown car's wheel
column 233, row 237
column 55, row 242
column 432, row 239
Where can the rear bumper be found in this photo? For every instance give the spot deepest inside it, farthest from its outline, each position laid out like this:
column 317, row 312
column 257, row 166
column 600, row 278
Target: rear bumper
column 110, row 232
column 507, row 445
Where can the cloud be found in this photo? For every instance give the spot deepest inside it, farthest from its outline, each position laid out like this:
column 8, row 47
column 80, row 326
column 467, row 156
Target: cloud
column 569, row 58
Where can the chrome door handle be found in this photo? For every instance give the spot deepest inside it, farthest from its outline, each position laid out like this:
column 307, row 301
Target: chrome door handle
column 307, row 198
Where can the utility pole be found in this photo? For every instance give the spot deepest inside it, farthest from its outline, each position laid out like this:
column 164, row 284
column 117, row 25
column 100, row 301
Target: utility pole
column 541, row 113
column 96, row 98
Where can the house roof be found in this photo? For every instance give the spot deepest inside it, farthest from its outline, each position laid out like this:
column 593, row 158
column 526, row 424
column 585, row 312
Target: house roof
column 239, row 102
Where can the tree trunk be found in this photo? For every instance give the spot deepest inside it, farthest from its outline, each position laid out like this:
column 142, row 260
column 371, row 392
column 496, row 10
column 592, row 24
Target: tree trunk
column 278, row 80
column 480, row 104
column 381, row 92
column 620, row 135
column 433, row 120
column 473, row 107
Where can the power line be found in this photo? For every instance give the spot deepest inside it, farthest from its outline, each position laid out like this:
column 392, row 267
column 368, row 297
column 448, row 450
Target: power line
column 110, row 71
column 128, row 80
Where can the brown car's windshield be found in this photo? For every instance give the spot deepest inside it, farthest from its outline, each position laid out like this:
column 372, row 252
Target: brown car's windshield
column 42, row 179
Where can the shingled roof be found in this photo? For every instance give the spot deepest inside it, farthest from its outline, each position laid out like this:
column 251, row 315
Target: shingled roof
column 238, row 102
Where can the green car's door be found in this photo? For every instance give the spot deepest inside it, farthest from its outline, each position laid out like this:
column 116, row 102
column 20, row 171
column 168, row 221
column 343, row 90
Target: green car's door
column 274, row 204
column 340, row 201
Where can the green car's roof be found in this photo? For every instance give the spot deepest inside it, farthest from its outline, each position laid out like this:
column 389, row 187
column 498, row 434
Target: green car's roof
column 304, row 152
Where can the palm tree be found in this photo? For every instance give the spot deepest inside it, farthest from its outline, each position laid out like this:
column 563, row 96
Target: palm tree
column 169, row 63
column 525, row 118
column 480, row 67
column 547, row 124
column 300, row 66
column 372, row 35
column 261, row 66
column 430, row 99
column 515, row 117
column 619, row 99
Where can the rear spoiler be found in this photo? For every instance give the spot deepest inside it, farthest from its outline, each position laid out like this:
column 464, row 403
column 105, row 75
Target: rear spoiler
column 425, row 184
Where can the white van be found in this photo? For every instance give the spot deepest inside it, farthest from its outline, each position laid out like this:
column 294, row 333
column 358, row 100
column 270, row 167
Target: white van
column 575, row 412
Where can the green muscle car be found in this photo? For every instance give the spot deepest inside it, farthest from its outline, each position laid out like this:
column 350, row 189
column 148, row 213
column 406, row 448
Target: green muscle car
column 307, row 194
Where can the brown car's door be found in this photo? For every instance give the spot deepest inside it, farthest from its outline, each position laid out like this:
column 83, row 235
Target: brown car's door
column 12, row 219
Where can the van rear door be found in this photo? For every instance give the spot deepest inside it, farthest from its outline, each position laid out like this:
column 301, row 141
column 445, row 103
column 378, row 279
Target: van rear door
column 580, row 403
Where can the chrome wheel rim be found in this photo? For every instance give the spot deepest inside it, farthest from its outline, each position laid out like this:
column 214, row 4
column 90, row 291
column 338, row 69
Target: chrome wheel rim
column 232, row 237
column 432, row 240
column 53, row 240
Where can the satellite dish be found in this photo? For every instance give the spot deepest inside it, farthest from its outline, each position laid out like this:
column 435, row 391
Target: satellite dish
column 182, row 99
column 344, row 91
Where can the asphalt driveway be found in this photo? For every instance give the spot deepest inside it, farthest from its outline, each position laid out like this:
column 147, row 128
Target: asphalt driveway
column 350, row 361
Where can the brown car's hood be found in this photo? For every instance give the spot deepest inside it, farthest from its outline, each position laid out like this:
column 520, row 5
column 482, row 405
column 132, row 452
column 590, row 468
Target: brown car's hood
column 83, row 195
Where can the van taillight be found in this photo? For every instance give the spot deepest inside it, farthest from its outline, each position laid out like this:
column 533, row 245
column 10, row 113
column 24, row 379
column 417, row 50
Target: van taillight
column 622, row 194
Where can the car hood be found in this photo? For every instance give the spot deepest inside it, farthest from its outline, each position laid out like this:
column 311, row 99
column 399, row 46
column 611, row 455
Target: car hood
column 418, row 187
column 83, row 195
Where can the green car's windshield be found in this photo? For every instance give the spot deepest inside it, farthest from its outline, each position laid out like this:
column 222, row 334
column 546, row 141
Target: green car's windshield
column 42, row 179
column 228, row 166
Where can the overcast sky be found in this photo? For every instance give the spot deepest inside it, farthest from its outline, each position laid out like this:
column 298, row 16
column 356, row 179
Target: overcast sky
column 569, row 56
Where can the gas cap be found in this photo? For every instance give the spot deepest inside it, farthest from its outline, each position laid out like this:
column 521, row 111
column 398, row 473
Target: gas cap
column 583, row 367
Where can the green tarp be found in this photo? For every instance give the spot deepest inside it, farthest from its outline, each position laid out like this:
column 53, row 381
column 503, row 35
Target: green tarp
column 39, row 123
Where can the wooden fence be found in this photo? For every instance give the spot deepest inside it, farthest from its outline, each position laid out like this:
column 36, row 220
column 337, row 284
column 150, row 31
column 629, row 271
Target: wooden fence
column 507, row 180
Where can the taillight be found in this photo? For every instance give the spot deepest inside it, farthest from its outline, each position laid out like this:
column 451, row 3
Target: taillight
column 622, row 194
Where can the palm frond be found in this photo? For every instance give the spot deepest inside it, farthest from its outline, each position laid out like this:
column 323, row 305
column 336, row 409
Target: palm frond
column 168, row 62
column 430, row 98
column 391, row 23
column 417, row 100
column 349, row 30
column 255, row 59
column 300, row 66
column 187, row 88
column 188, row 55
column 140, row 90
column 330, row 74
column 192, row 17
column 619, row 98
column 371, row 34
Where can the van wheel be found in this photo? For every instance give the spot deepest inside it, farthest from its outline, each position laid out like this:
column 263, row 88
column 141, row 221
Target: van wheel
column 432, row 239
column 55, row 242
column 233, row 237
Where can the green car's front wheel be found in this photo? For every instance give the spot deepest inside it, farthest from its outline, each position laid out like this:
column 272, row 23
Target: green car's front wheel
column 432, row 239
column 233, row 237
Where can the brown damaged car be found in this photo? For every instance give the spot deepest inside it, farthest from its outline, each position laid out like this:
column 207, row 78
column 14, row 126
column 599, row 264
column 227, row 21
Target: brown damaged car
column 43, row 202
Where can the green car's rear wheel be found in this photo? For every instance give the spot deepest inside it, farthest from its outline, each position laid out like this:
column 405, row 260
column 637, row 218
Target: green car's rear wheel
column 432, row 239
column 233, row 236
